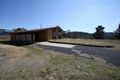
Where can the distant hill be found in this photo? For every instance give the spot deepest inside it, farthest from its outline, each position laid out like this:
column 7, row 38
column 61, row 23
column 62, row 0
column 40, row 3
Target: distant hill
column 4, row 31
column 75, row 34
column 109, row 35
column 78, row 35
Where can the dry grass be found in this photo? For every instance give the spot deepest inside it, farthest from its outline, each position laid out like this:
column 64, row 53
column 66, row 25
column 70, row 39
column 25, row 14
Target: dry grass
column 28, row 63
column 101, row 42
column 14, row 51
column 4, row 37
column 18, row 63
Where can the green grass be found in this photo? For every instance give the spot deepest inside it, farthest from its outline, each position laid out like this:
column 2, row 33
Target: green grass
column 41, row 65
column 98, row 42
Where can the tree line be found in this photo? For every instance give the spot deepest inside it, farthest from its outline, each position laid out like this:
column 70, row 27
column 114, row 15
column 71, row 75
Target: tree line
column 99, row 34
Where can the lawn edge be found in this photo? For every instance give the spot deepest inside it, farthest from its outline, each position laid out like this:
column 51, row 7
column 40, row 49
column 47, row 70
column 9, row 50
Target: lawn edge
column 106, row 46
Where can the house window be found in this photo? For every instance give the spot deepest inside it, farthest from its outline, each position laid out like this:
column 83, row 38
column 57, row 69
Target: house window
column 54, row 34
column 59, row 33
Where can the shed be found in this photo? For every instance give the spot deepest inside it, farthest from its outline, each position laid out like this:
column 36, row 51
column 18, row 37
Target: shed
column 42, row 34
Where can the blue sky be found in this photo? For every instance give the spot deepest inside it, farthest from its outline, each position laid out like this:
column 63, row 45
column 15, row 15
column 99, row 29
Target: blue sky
column 75, row 15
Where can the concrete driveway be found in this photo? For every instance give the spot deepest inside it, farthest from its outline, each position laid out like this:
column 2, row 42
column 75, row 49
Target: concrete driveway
column 97, row 53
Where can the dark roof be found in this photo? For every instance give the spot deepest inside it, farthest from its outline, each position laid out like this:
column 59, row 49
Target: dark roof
column 38, row 29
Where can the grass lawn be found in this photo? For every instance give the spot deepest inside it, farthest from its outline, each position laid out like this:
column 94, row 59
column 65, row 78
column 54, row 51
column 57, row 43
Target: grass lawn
column 28, row 63
column 101, row 42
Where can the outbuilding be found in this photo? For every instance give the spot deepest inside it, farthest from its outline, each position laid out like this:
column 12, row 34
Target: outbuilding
column 42, row 34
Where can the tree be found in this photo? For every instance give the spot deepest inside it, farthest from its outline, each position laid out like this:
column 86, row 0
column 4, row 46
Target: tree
column 68, row 32
column 117, row 32
column 19, row 29
column 99, row 34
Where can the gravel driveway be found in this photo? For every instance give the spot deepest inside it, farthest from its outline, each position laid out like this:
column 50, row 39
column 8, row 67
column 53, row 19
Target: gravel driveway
column 109, row 56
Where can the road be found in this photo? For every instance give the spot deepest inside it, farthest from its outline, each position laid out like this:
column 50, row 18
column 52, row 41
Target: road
column 108, row 55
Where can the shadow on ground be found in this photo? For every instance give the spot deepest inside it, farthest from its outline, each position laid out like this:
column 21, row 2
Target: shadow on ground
column 17, row 43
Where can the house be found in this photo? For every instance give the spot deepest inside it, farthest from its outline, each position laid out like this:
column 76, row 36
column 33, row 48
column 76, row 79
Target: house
column 42, row 34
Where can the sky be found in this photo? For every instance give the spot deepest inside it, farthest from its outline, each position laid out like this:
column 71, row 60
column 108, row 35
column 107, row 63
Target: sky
column 74, row 15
